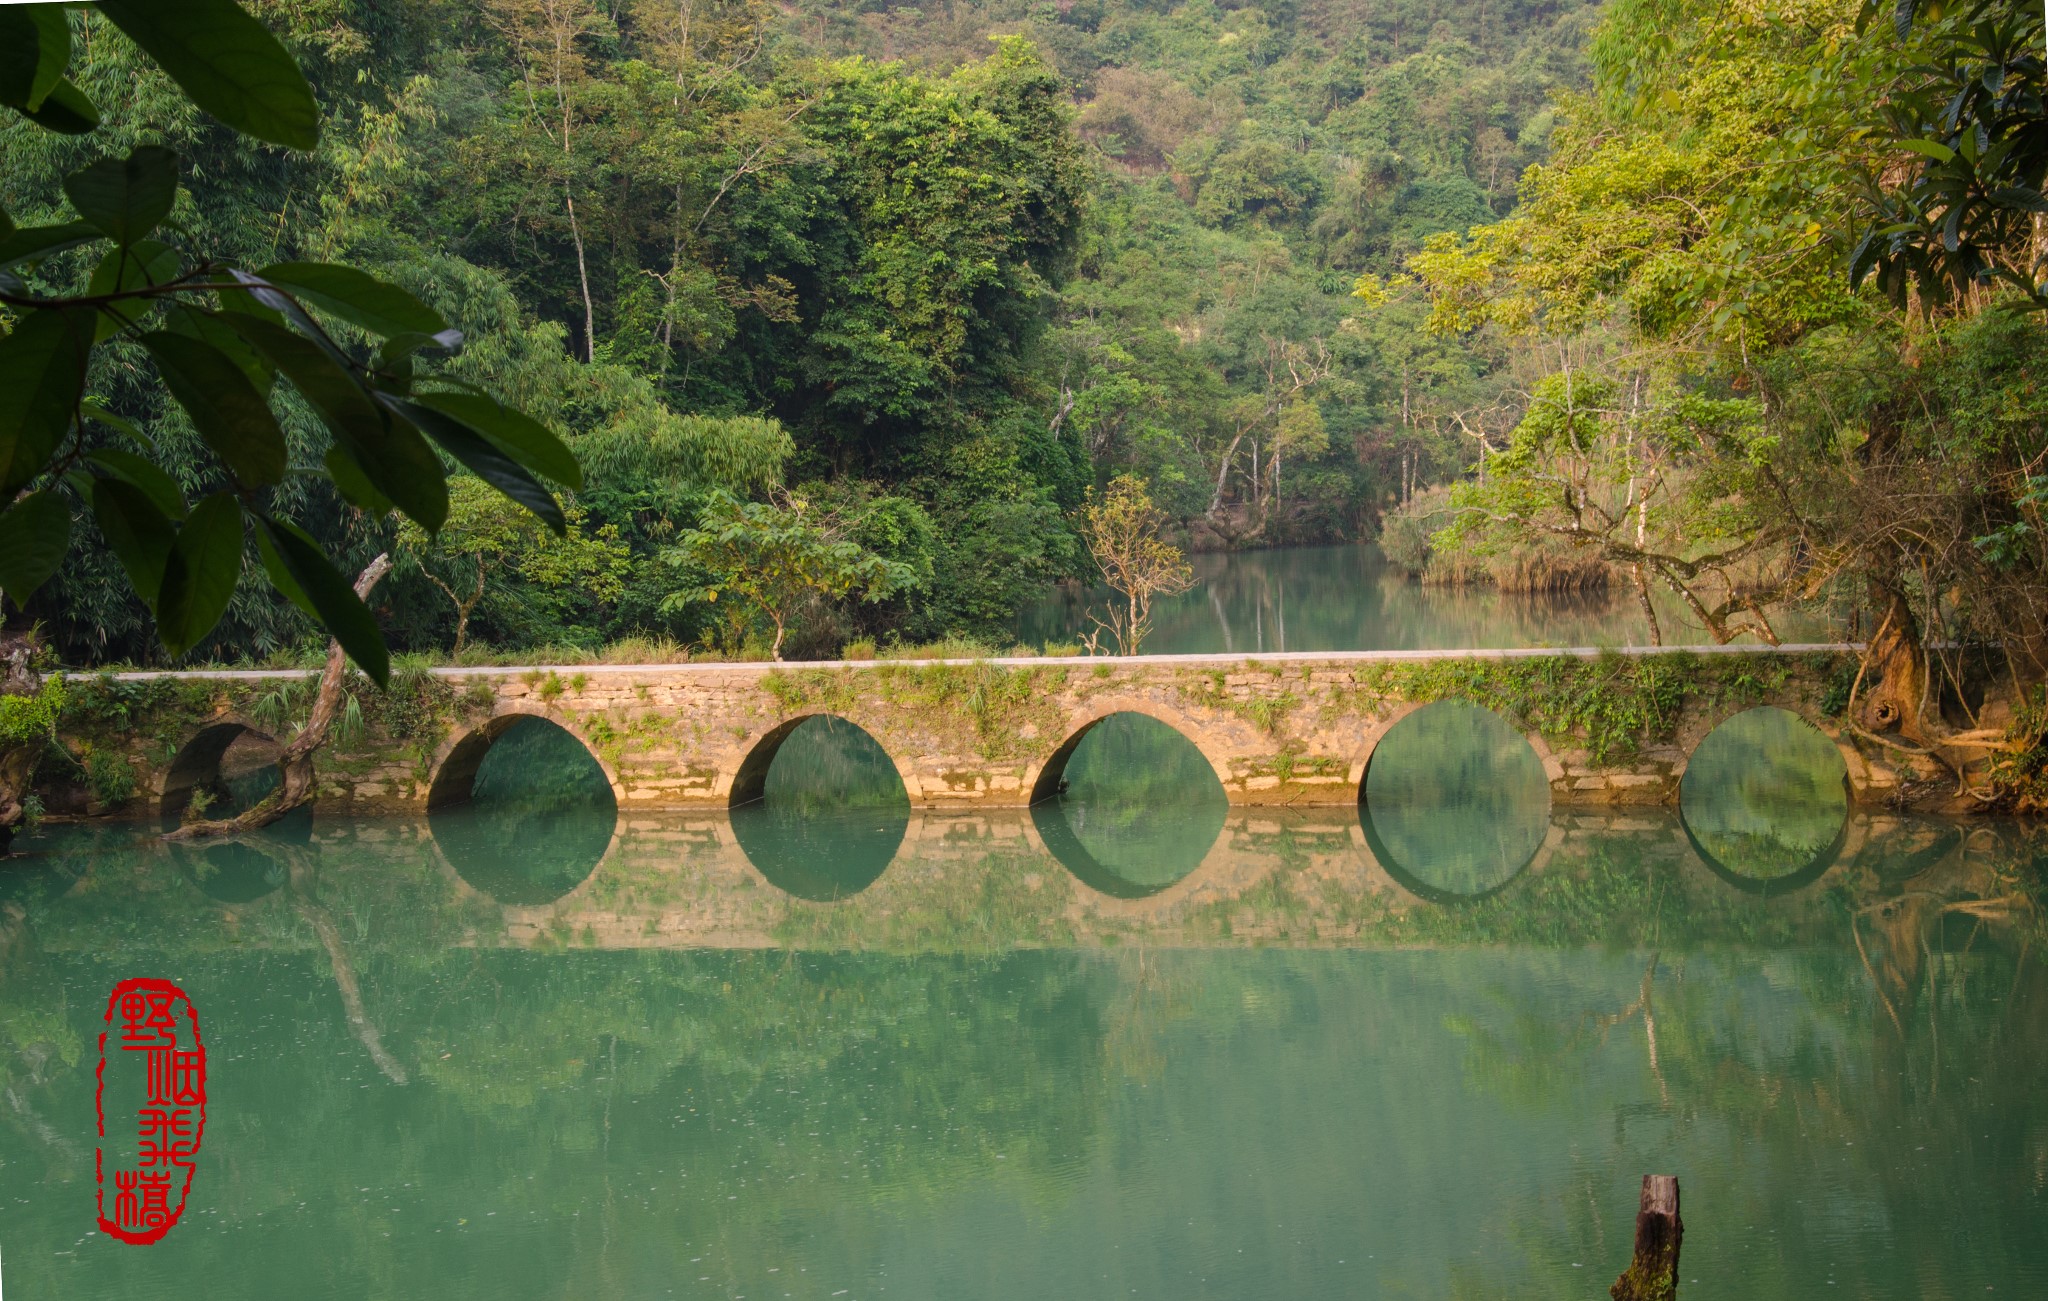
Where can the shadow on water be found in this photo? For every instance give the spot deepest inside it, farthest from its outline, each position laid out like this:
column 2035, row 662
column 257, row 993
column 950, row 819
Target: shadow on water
column 232, row 871
column 538, row 818
column 1454, row 804
column 824, row 818
column 1765, row 801
column 1129, row 806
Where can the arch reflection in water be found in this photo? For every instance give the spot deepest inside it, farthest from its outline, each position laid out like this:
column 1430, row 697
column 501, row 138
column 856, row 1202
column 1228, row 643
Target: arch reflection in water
column 1454, row 804
column 819, row 809
column 527, row 814
column 1129, row 805
column 1765, row 801
column 225, row 770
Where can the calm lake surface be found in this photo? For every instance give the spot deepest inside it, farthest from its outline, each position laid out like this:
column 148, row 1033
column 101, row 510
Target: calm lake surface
column 828, row 1046
column 1350, row 598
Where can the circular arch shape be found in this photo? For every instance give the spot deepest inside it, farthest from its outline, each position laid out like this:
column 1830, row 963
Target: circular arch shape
column 1767, row 886
column 1194, row 802
column 1759, row 772
column 835, row 823
column 1488, row 758
column 750, row 780
column 1061, row 842
column 457, row 761
column 538, row 842
column 1856, row 769
column 206, row 762
column 1044, row 779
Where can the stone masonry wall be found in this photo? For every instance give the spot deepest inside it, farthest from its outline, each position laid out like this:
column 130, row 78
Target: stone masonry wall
column 1298, row 729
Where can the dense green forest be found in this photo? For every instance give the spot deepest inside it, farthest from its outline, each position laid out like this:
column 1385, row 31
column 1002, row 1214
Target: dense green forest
column 935, row 272
column 848, row 312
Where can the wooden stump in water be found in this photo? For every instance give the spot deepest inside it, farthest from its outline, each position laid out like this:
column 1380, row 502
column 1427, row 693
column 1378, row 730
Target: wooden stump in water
column 1653, row 1274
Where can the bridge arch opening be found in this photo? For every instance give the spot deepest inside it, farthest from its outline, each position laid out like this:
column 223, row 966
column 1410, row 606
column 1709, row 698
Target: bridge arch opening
column 1765, row 801
column 522, row 810
column 819, row 808
column 226, row 769
column 1128, row 805
column 1454, row 802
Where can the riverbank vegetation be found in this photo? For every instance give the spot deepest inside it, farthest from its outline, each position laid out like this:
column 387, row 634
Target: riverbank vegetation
column 1717, row 409
column 938, row 272
column 1731, row 308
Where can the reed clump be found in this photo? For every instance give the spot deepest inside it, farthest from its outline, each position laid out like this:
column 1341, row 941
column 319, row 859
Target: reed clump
column 1411, row 537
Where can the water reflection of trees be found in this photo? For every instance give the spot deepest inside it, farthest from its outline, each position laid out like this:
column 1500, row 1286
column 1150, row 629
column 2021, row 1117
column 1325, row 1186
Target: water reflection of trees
column 1920, row 1027
column 832, row 813
column 1455, row 803
column 1137, row 808
column 540, row 816
column 642, row 1090
column 1765, row 797
column 1349, row 598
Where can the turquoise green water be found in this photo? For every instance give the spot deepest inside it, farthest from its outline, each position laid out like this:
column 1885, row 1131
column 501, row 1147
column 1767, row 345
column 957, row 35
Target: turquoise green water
column 1137, row 808
column 1281, row 1071
column 1348, row 598
column 1765, row 794
column 1455, row 801
column 832, row 813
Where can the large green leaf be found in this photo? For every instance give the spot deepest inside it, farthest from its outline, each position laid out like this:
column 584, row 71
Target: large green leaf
column 20, row 53
column 229, row 64
column 331, row 596
column 200, row 573
column 35, row 48
column 126, row 198
column 281, row 577
column 42, row 374
column 66, row 110
column 391, row 453
column 93, row 410
column 383, row 309
column 53, row 41
column 485, row 460
column 527, row 440
column 139, row 534
column 227, row 410
column 355, row 486
column 34, row 535
column 31, row 242
column 184, row 318
column 145, row 474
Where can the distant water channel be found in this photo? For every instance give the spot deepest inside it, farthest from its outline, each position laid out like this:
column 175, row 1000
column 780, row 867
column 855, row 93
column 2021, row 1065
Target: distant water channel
column 1133, row 1043
column 1350, row 598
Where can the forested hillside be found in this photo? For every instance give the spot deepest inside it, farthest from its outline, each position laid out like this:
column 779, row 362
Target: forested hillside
column 936, row 271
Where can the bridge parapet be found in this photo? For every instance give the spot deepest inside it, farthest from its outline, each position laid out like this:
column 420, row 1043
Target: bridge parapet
column 1611, row 728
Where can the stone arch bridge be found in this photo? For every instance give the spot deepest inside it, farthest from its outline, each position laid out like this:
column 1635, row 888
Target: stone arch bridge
column 1611, row 728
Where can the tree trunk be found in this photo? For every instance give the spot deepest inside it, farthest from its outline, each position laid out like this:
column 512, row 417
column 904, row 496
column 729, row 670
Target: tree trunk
column 296, row 777
column 463, row 609
column 344, row 968
column 1895, row 659
column 1653, row 1274
column 583, row 275
column 1223, row 474
column 1643, row 599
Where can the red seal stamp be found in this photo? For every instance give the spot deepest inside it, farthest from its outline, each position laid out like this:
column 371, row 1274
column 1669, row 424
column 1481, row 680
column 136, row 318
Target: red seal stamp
column 158, row 1024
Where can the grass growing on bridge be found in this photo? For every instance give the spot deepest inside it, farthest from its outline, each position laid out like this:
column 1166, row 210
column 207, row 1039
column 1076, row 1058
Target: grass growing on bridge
column 998, row 702
column 1615, row 704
